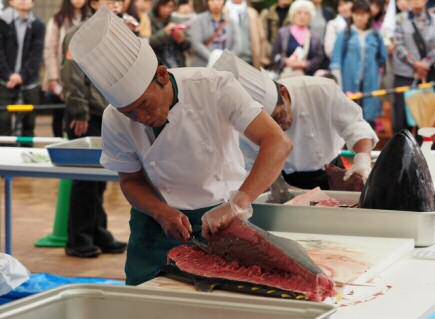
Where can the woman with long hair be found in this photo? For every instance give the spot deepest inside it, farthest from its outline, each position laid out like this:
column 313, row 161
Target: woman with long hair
column 71, row 13
column 358, row 58
column 377, row 8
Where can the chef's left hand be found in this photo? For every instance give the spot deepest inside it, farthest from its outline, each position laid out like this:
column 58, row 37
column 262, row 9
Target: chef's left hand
column 219, row 217
column 361, row 166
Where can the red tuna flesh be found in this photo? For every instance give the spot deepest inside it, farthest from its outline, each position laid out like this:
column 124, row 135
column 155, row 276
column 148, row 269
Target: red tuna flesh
column 243, row 252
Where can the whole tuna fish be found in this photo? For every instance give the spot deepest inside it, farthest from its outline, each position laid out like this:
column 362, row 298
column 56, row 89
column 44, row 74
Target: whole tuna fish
column 400, row 179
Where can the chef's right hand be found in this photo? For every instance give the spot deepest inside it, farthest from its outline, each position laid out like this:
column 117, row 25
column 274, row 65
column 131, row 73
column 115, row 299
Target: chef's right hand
column 175, row 225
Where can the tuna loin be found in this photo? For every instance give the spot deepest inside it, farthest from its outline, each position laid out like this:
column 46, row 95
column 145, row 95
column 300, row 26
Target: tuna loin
column 245, row 253
column 335, row 174
column 400, row 179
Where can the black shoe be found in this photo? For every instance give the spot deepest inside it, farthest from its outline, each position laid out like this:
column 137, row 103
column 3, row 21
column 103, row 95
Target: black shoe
column 114, row 247
column 83, row 252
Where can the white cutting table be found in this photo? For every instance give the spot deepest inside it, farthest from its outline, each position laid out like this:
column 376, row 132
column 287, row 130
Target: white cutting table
column 411, row 296
column 12, row 165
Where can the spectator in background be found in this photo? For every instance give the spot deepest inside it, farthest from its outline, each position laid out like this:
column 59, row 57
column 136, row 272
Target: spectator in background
column 297, row 50
column 88, row 235
column 251, row 33
column 212, row 30
column 185, row 12
column 358, row 57
column 402, row 5
column 414, row 56
column 377, row 8
column 21, row 50
column 337, row 25
column 129, row 7
column 323, row 15
column 119, row 8
column 168, row 38
column 71, row 13
column 273, row 19
column 144, row 8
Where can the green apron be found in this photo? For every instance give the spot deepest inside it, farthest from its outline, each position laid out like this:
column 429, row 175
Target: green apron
column 148, row 245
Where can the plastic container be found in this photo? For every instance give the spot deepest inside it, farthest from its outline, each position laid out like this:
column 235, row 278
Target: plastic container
column 98, row 302
column 85, row 151
column 345, row 221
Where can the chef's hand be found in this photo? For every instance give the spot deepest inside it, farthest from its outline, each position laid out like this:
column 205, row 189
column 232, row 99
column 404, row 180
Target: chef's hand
column 79, row 127
column 175, row 225
column 361, row 166
column 219, row 217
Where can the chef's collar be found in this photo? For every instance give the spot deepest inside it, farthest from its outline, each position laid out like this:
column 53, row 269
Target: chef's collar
column 175, row 90
column 158, row 130
column 279, row 99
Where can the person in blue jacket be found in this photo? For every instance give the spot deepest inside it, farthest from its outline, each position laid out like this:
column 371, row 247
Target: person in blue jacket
column 358, row 58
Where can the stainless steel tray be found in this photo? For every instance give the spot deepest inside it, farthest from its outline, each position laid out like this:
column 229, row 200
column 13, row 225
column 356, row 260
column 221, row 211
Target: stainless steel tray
column 105, row 302
column 345, row 221
column 85, row 151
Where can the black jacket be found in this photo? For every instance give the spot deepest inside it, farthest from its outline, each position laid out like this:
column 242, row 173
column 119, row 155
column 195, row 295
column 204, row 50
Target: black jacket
column 32, row 51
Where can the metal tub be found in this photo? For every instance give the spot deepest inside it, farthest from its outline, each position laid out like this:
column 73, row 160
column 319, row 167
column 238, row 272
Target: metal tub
column 105, row 302
column 345, row 221
column 85, row 151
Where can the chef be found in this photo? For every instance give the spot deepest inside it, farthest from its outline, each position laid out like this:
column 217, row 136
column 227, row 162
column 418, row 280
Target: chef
column 172, row 136
column 317, row 117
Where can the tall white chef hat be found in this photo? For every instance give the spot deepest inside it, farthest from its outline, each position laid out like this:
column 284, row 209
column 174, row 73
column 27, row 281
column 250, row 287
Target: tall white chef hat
column 120, row 64
column 257, row 82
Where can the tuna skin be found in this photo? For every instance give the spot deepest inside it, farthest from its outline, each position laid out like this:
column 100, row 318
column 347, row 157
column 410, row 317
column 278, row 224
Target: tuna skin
column 400, row 179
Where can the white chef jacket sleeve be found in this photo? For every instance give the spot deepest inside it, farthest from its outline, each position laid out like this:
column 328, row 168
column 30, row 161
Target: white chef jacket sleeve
column 118, row 152
column 348, row 119
column 236, row 104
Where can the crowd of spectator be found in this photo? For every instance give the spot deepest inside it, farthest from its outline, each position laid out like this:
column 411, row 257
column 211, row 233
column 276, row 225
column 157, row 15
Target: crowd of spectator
column 363, row 44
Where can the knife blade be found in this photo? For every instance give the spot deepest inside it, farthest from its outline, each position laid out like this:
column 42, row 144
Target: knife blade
column 200, row 244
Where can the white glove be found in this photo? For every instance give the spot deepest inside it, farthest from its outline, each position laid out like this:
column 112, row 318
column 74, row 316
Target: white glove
column 219, row 217
column 361, row 166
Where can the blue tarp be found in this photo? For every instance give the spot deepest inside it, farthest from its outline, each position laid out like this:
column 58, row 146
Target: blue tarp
column 42, row 282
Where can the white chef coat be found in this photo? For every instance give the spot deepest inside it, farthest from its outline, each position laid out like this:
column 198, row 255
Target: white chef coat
column 196, row 161
column 323, row 120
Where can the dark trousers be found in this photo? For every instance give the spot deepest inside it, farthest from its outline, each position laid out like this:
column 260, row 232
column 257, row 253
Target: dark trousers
column 87, row 223
column 399, row 115
column 311, row 179
column 26, row 120
column 57, row 122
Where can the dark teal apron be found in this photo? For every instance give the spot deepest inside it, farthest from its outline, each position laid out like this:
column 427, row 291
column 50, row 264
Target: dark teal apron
column 148, row 245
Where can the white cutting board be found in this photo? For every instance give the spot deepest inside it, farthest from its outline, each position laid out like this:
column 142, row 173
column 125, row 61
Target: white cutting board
column 346, row 259
column 352, row 259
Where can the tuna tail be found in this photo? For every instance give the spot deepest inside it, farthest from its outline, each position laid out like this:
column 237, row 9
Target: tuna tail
column 400, row 179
